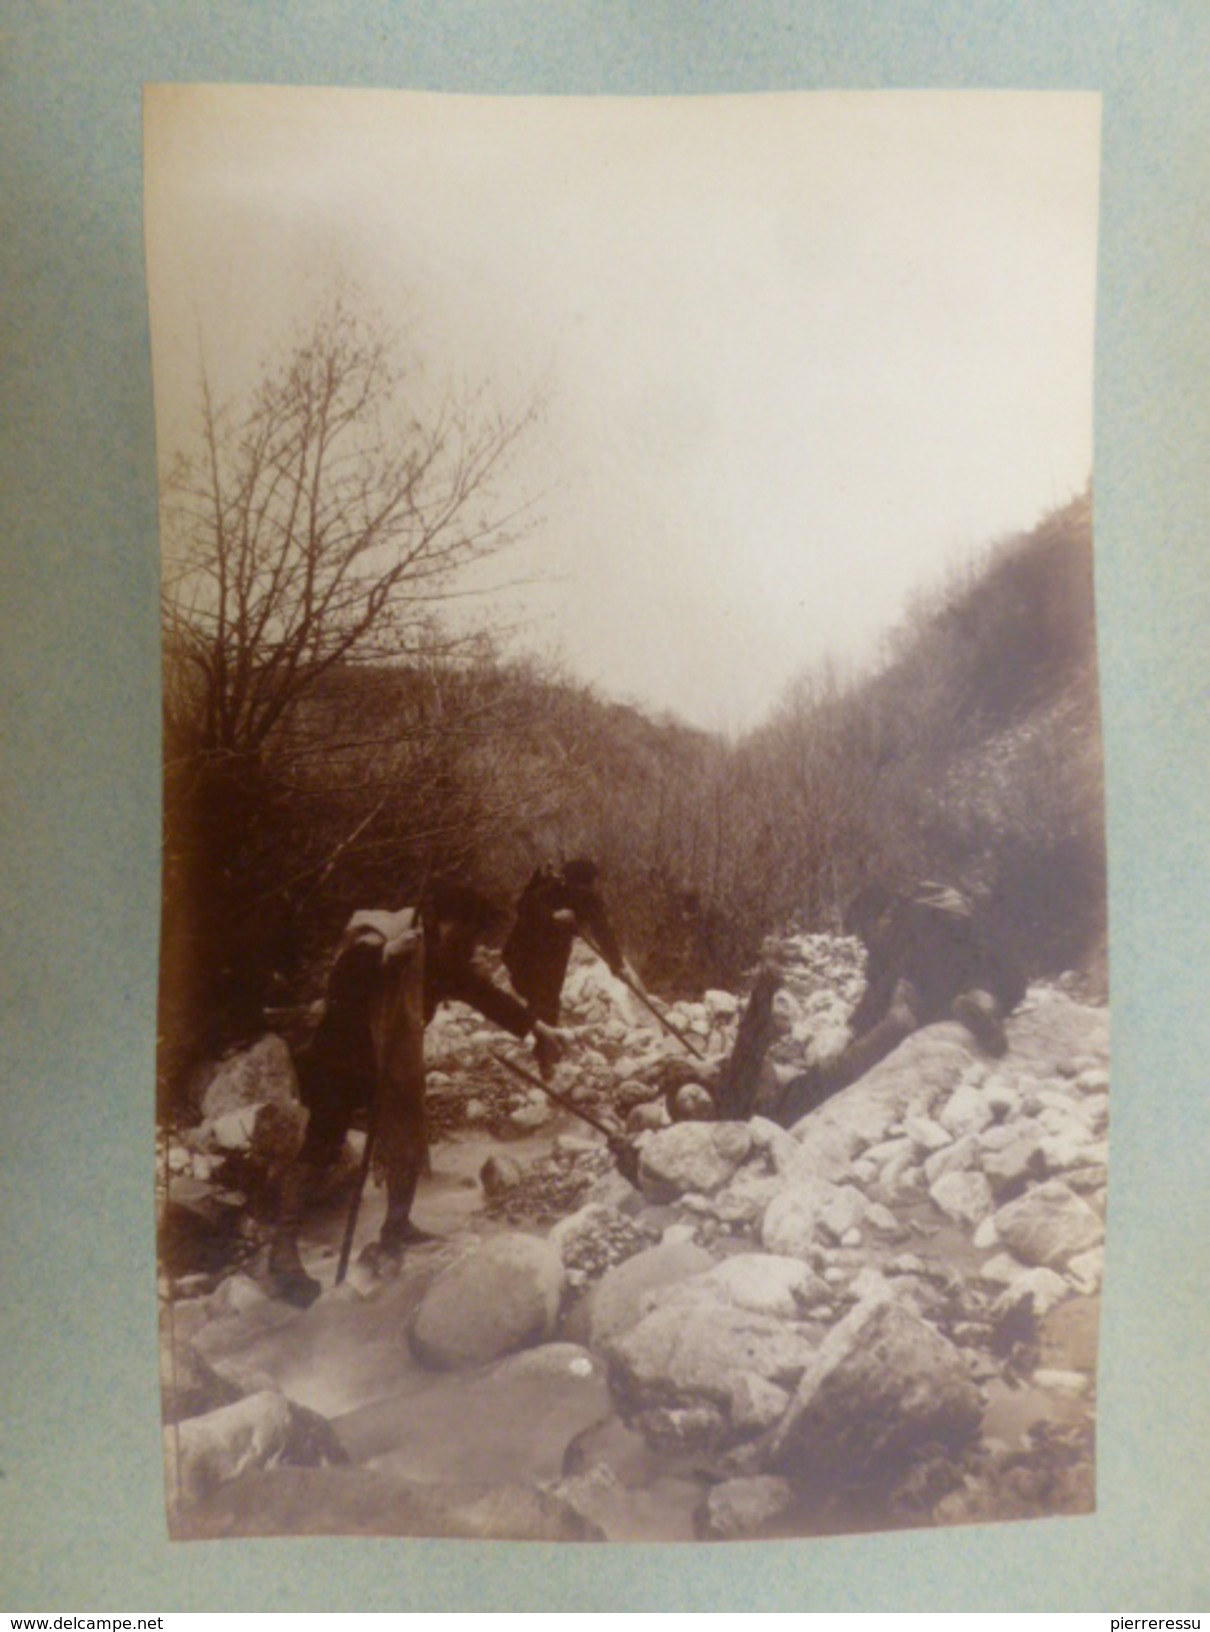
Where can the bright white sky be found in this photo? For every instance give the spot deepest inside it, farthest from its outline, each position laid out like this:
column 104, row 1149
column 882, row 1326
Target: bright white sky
column 799, row 354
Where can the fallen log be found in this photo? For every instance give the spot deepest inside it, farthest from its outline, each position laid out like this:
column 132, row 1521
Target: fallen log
column 739, row 1082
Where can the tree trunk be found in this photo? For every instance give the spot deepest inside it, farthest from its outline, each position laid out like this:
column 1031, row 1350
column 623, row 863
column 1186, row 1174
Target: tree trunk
column 740, row 1080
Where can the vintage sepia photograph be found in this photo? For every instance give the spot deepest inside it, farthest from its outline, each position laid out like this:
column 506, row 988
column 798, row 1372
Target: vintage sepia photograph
column 633, row 1032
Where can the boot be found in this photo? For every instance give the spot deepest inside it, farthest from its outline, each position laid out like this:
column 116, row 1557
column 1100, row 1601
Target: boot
column 548, row 1048
column 980, row 1014
column 398, row 1232
column 288, row 1278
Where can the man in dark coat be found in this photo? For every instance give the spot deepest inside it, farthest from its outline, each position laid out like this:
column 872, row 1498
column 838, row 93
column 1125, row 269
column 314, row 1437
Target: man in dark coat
column 556, row 906
column 927, row 960
column 390, row 973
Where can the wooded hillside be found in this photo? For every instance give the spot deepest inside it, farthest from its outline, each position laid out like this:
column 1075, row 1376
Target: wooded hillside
column 971, row 752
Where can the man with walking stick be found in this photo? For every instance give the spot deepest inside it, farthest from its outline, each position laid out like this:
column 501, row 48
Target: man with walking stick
column 555, row 906
column 390, row 972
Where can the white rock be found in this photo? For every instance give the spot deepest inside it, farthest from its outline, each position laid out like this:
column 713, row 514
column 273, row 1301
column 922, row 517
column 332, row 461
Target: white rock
column 1063, row 1151
column 648, row 1118
column 742, row 1507
column 965, row 1112
column 1043, row 1287
column 587, row 1224
column 529, row 1115
column 1049, row 1225
column 801, row 1214
column 1002, row 1270
column 902, row 1173
column 685, row 1354
column 236, row 1295
column 955, row 1158
column 501, row 1297
column 233, row 1130
column 1061, row 1121
column 1096, row 1110
column 1086, row 1270
column 756, row 1403
column 999, row 1136
column 926, row 1134
column 883, row 1220
column 255, row 1076
column 500, row 1173
column 263, row 1430
column 869, row 1283
column 761, row 1282
column 779, row 1148
column 964, row 1197
column 692, row 1156
column 615, row 1304
column 1010, row 1163
column 752, row 1189
column 888, row 1150
column 1065, row 1382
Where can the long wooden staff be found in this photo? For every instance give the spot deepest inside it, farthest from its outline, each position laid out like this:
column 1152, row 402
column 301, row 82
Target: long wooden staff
column 363, row 1173
column 559, row 1099
column 633, row 986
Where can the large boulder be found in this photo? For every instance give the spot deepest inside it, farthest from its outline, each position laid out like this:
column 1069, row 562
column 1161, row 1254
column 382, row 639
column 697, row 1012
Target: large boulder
column 697, row 1157
column 804, row 1216
column 1049, row 1225
column 189, row 1384
column 828, row 1149
column 692, row 1354
column 262, row 1074
column 595, row 1238
column 615, row 1304
column 743, row 1507
column 261, row 1431
column 1014, row 1160
column 882, row 1384
column 925, row 1068
column 777, row 1150
column 503, row 1296
column 1051, row 1027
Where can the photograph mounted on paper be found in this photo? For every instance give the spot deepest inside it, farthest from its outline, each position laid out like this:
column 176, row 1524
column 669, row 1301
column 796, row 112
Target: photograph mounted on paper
column 633, row 1031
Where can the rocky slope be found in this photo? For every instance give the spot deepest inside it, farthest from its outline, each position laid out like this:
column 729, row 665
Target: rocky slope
column 884, row 1316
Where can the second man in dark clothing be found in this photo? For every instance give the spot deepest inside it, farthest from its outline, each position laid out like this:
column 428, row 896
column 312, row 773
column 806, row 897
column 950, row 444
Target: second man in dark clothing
column 557, row 905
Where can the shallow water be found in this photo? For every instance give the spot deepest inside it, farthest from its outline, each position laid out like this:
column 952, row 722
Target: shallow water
column 537, row 1417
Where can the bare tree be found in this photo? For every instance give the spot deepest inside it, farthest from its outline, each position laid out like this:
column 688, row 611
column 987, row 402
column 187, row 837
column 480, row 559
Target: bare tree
column 312, row 535
column 320, row 524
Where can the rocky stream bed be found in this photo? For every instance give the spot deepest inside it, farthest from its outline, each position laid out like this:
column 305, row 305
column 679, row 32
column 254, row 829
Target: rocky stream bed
column 886, row 1316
